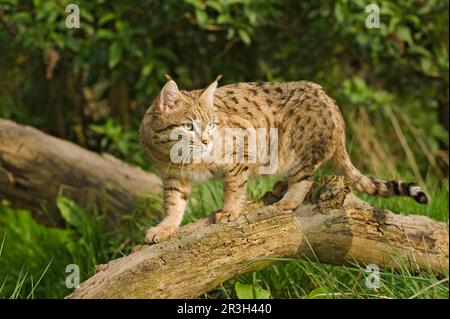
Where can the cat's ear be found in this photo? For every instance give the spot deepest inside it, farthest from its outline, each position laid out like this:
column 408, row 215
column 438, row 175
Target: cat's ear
column 207, row 96
column 169, row 96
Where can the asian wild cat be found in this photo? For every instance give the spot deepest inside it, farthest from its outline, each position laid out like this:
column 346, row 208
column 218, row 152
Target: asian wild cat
column 310, row 131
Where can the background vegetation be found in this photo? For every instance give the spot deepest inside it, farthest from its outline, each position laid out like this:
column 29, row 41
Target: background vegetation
column 92, row 85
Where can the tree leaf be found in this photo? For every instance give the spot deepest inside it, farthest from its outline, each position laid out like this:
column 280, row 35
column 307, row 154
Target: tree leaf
column 261, row 293
column 245, row 291
column 339, row 12
column 70, row 211
column 115, row 54
column 105, row 34
column 201, row 17
column 245, row 37
column 105, row 18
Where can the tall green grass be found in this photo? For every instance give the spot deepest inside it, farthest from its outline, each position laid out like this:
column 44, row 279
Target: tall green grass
column 34, row 257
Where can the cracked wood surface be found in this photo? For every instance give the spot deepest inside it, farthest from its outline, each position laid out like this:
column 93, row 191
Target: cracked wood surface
column 332, row 226
column 35, row 167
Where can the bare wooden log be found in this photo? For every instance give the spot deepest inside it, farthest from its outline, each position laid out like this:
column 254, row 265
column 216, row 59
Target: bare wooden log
column 333, row 226
column 36, row 167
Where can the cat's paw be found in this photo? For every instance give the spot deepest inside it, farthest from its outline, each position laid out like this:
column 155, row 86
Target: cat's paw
column 158, row 234
column 223, row 216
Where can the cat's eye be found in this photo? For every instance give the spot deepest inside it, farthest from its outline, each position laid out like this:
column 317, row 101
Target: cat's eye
column 188, row 126
column 211, row 126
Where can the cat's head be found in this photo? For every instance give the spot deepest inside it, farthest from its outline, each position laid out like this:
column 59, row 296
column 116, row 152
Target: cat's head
column 176, row 113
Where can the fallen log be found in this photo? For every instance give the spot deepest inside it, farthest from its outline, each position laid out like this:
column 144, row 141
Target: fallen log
column 332, row 226
column 36, row 167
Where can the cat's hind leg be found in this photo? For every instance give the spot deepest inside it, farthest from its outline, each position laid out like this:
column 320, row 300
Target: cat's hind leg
column 294, row 196
column 299, row 183
column 311, row 145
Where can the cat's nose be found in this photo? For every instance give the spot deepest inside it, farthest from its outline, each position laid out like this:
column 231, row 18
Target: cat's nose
column 205, row 140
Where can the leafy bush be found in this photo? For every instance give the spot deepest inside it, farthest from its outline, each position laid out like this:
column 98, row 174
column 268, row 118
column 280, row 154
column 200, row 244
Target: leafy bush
column 126, row 47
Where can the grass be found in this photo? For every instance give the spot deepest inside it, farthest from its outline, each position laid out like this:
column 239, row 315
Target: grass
column 33, row 257
column 31, row 250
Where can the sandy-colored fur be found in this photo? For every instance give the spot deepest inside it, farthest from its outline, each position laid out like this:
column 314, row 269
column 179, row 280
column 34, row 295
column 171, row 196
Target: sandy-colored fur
column 310, row 131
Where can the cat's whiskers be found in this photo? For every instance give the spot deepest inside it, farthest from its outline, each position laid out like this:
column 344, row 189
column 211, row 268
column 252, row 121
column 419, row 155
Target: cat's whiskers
column 187, row 154
column 168, row 167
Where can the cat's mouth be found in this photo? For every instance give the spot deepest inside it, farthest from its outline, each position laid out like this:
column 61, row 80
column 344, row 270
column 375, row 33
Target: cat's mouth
column 201, row 148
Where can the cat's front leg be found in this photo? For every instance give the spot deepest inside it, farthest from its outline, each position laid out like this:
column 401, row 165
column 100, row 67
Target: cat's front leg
column 234, row 188
column 176, row 194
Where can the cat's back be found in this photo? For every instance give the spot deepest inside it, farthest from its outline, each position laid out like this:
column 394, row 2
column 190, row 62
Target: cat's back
column 272, row 99
column 271, row 95
column 264, row 89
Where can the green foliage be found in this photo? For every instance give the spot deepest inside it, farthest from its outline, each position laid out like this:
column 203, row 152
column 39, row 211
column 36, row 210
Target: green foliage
column 34, row 257
column 109, row 70
column 116, row 140
column 244, row 291
column 404, row 63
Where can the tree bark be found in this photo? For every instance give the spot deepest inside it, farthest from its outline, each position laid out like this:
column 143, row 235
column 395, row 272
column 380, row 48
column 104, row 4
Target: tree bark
column 36, row 167
column 332, row 226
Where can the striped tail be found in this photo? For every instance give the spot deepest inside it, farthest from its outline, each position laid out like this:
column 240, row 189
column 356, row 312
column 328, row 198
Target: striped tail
column 373, row 186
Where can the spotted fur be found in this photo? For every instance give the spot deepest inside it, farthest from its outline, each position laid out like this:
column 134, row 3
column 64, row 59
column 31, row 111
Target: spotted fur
column 310, row 131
